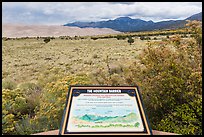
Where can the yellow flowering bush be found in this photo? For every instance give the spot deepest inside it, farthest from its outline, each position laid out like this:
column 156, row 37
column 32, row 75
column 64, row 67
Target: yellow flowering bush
column 52, row 103
column 13, row 106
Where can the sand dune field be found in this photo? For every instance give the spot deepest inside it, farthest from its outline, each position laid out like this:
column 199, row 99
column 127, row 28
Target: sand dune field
column 18, row 30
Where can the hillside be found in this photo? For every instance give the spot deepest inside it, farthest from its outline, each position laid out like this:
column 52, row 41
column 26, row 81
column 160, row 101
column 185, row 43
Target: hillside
column 127, row 24
column 195, row 17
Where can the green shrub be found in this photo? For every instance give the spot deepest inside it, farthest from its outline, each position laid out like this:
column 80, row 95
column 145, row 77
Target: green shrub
column 32, row 92
column 121, row 37
column 185, row 119
column 130, row 40
column 94, row 38
column 46, row 40
column 26, row 126
column 8, row 84
column 144, row 38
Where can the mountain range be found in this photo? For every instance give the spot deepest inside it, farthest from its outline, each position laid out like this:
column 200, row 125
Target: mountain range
column 127, row 24
column 125, row 119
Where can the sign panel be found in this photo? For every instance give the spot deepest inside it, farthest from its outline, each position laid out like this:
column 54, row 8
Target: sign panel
column 93, row 110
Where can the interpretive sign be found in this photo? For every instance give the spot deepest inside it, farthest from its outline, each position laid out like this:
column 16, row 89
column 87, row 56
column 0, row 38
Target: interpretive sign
column 94, row 110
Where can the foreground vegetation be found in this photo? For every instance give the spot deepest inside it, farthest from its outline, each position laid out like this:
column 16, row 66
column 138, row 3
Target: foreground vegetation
column 166, row 66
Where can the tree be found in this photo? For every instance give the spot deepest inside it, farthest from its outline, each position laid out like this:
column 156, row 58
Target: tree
column 130, row 40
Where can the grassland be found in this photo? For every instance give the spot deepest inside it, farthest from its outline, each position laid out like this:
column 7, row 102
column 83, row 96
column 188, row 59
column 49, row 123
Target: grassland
column 25, row 59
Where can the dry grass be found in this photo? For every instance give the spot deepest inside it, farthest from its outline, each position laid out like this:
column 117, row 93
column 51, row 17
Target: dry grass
column 25, row 59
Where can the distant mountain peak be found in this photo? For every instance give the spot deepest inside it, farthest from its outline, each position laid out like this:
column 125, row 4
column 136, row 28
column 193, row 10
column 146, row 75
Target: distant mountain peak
column 127, row 24
column 123, row 18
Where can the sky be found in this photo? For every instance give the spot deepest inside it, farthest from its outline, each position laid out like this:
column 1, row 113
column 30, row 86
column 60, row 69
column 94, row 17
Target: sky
column 60, row 13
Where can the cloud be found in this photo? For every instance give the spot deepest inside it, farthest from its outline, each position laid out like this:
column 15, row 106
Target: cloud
column 64, row 12
column 127, row 3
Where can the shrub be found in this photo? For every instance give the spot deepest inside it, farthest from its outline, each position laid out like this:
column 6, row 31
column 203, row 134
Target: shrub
column 95, row 56
column 76, row 37
column 130, row 40
column 5, row 38
column 4, row 74
column 14, row 106
column 88, row 62
column 185, row 119
column 196, row 28
column 147, row 38
column 32, row 92
column 46, row 40
column 115, row 69
column 53, row 101
column 8, row 84
column 16, row 115
column 171, row 83
column 184, row 36
column 94, row 38
column 61, row 37
column 120, row 37
column 142, row 38
column 26, row 126
column 176, row 39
